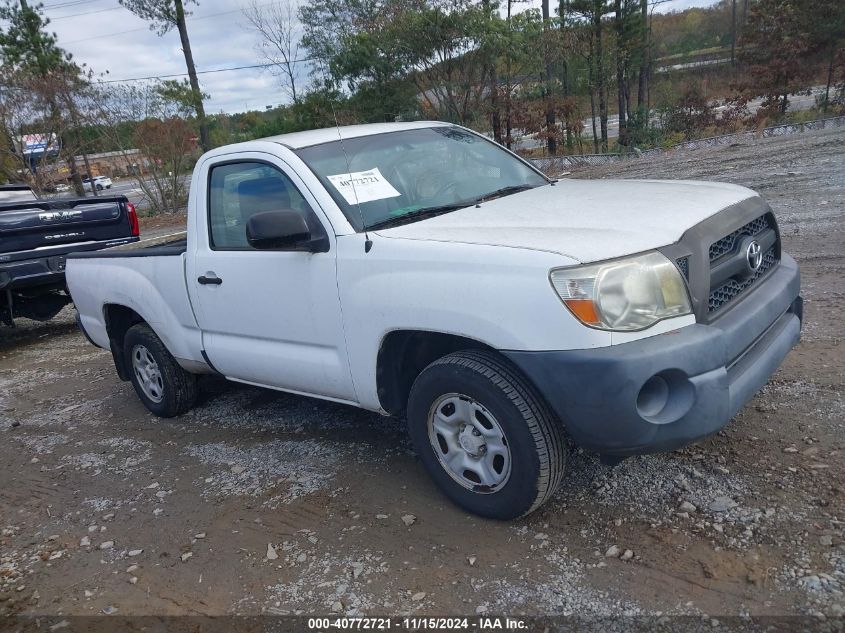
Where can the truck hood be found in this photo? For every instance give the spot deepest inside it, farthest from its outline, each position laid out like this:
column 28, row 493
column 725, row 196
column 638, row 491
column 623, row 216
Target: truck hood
column 585, row 220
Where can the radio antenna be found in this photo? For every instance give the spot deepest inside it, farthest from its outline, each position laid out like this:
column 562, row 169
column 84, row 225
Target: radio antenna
column 368, row 243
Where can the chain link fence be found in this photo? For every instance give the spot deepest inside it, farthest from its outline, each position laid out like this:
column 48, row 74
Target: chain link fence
column 557, row 164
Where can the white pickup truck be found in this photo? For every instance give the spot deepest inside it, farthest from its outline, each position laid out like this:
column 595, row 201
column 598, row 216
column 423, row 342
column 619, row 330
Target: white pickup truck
column 419, row 269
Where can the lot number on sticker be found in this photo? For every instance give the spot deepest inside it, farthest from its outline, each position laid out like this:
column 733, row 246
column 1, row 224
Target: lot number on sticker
column 363, row 186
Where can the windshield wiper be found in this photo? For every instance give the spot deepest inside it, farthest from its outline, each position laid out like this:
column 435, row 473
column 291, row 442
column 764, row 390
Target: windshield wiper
column 430, row 212
column 419, row 214
column 504, row 191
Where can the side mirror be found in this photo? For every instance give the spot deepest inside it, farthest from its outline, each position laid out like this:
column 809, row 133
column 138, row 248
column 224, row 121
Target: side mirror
column 283, row 229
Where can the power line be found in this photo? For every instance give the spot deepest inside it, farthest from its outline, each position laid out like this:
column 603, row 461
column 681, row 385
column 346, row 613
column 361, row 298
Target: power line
column 76, row 15
column 69, row 3
column 98, row 37
column 203, row 72
column 192, row 19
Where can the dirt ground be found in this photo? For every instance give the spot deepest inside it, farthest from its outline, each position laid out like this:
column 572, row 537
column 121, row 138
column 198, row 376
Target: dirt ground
column 260, row 502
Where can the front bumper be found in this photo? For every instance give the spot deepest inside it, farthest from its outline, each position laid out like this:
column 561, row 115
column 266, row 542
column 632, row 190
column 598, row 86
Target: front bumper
column 665, row 391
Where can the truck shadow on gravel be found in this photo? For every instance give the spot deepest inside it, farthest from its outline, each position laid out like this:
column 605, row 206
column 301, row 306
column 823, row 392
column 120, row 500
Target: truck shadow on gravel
column 32, row 332
column 651, row 483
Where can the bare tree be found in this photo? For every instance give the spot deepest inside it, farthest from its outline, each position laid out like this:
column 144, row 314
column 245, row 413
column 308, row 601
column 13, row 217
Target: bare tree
column 43, row 107
column 163, row 15
column 644, row 57
column 551, row 125
column 159, row 151
column 621, row 69
column 278, row 27
column 733, row 32
column 598, row 12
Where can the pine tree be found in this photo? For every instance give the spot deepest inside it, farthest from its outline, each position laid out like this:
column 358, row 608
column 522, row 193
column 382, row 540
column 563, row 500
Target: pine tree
column 163, row 15
column 27, row 48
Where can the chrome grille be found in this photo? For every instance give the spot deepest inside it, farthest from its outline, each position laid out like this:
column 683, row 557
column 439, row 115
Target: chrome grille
column 725, row 245
column 730, row 290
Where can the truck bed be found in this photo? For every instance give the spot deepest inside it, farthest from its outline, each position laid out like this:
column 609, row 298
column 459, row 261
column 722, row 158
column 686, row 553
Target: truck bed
column 168, row 248
column 147, row 278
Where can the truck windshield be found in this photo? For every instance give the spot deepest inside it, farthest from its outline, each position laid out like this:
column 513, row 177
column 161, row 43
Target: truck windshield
column 403, row 176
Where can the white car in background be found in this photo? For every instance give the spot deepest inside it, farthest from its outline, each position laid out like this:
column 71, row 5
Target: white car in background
column 101, row 182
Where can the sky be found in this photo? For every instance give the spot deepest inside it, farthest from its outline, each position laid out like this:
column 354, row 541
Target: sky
column 117, row 45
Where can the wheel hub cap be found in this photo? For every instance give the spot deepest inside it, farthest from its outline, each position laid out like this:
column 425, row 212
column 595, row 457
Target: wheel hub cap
column 147, row 373
column 469, row 443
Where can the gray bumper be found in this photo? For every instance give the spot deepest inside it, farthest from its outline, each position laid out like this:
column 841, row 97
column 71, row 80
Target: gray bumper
column 668, row 390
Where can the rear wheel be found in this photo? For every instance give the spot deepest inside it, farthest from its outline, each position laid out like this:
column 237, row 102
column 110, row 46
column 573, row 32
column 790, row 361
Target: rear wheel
column 162, row 385
column 484, row 436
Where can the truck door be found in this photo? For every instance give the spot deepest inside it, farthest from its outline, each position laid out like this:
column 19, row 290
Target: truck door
column 268, row 317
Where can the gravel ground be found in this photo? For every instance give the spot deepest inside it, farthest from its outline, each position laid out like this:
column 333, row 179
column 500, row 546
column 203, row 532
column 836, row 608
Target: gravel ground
column 259, row 502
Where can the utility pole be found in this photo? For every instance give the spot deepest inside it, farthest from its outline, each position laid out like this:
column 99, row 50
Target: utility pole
column 192, row 74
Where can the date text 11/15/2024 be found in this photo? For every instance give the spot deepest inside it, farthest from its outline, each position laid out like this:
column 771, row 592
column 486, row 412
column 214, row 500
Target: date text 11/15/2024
column 480, row 623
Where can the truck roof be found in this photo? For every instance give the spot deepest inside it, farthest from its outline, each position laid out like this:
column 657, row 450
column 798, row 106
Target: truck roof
column 298, row 140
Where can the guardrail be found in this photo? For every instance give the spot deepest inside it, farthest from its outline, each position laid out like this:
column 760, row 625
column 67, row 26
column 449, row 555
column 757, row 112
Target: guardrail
column 553, row 164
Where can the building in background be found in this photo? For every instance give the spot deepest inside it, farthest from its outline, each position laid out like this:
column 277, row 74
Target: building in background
column 129, row 162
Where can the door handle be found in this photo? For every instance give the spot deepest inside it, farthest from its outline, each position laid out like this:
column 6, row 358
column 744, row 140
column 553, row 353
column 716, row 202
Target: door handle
column 212, row 279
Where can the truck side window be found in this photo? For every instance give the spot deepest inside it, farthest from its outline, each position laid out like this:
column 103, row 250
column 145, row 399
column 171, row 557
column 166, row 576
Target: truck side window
column 239, row 190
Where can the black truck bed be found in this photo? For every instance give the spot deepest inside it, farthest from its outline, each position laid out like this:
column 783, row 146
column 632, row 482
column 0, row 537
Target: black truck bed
column 37, row 236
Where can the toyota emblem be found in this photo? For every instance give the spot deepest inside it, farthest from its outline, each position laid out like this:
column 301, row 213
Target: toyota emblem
column 754, row 255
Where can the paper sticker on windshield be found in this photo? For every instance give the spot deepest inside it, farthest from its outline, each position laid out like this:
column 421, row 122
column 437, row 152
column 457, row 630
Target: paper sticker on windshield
column 363, row 186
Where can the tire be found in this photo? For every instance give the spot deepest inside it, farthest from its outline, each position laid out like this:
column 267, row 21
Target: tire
column 99, row 187
column 526, row 465
column 169, row 390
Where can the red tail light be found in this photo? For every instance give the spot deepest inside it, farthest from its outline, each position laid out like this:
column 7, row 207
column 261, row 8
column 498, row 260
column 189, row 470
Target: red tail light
column 134, row 228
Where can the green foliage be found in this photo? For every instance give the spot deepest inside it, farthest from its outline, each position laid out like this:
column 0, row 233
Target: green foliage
column 640, row 132
column 181, row 93
column 680, row 33
column 689, row 114
column 406, row 58
column 24, row 42
column 161, row 14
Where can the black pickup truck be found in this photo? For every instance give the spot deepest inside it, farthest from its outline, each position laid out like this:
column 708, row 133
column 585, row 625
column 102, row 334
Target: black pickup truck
column 37, row 235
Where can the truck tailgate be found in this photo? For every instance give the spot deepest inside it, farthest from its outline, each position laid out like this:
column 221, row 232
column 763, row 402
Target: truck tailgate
column 26, row 226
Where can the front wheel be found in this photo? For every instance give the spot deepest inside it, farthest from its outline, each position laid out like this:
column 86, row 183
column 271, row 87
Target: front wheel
column 163, row 386
column 488, row 441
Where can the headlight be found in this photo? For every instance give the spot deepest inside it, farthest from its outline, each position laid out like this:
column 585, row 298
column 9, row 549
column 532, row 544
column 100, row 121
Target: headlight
column 624, row 294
